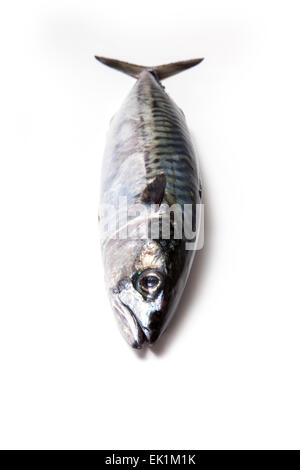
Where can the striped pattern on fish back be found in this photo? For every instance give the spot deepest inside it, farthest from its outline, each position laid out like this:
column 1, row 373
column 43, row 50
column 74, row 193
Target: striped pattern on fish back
column 168, row 148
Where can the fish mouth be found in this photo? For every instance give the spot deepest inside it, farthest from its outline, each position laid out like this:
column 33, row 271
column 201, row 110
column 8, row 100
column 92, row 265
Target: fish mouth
column 133, row 332
column 128, row 324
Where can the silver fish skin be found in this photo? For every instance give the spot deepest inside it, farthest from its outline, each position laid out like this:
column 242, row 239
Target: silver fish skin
column 148, row 160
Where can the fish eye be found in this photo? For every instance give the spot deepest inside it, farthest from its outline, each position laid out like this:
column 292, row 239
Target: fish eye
column 149, row 282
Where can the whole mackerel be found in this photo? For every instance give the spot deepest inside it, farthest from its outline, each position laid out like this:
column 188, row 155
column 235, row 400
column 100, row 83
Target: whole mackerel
column 149, row 167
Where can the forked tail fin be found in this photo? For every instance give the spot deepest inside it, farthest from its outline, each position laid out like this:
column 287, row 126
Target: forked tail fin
column 161, row 71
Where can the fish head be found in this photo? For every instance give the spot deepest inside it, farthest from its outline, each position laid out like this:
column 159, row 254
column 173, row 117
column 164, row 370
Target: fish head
column 144, row 288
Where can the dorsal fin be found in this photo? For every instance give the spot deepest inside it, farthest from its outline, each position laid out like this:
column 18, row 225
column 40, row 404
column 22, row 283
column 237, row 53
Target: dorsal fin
column 160, row 72
column 154, row 191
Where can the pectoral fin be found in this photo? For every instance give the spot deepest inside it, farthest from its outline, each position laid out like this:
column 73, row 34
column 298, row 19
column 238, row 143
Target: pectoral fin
column 155, row 190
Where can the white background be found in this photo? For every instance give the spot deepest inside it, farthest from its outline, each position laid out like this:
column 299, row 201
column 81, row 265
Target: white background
column 226, row 374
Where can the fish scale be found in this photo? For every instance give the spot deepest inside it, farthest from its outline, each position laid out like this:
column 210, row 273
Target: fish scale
column 169, row 139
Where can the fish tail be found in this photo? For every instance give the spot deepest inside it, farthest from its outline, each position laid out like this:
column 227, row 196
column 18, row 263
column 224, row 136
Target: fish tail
column 160, row 72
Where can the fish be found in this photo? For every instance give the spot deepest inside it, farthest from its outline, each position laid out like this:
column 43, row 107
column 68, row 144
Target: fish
column 150, row 165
